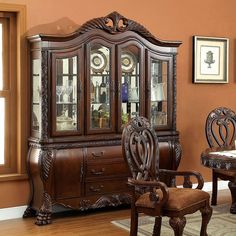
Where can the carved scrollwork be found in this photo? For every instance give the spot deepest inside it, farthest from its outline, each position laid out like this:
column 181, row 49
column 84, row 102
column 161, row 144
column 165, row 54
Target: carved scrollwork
column 29, row 212
column 104, row 201
column 114, row 23
column 221, row 127
column 68, row 145
column 44, row 96
column 177, row 224
column 178, row 153
column 139, row 143
column 218, row 164
column 174, row 92
column 45, row 160
column 85, row 204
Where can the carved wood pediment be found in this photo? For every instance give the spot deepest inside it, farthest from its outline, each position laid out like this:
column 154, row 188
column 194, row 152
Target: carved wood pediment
column 115, row 23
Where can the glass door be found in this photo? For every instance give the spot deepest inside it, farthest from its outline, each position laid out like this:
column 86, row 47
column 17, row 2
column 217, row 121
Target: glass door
column 100, row 96
column 160, row 91
column 131, row 89
column 67, row 89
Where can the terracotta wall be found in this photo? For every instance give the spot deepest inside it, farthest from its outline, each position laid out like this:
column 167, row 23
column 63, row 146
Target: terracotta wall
column 170, row 20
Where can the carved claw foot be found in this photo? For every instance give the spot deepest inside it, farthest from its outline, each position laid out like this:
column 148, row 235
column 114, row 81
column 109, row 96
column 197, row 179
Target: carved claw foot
column 29, row 212
column 233, row 208
column 177, row 224
column 232, row 187
column 43, row 218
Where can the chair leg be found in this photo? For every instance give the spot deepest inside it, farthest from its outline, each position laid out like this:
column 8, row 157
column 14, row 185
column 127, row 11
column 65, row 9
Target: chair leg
column 157, row 226
column 177, row 224
column 206, row 216
column 214, row 189
column 134, row 222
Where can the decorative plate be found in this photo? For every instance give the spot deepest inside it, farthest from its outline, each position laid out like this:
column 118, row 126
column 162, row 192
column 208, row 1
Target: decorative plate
column 128, row 62
column 98, row 61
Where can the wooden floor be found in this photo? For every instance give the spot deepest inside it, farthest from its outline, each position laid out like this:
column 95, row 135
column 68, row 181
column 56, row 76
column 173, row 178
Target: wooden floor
column 93, row 223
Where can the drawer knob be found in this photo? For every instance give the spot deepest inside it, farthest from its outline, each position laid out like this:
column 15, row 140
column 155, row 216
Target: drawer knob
column 96, row 189
column 94, row 172
column 97, row 154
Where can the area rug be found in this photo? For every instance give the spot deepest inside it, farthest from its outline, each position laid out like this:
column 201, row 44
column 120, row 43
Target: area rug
column 222, row 224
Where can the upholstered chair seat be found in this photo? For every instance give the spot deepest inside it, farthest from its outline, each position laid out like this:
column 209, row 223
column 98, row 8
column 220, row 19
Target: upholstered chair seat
column 179, row 199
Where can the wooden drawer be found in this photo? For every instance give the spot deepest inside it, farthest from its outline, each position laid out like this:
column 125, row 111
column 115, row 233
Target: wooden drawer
column 111, row 186
column 95, row 170
column 106, row 152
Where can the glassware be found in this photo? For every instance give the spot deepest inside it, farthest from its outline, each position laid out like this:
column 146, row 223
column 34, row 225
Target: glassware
column 92, row 96
column 124, row 90
column 157, row 92
column 133, row 94
column 97, row 93
column 67, row 93
column 60, row 91
column 108, row 90
column 103, row 91
column 64, row 122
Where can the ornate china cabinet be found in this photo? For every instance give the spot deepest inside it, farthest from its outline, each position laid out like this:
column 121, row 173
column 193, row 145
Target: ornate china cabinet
column 84, row 87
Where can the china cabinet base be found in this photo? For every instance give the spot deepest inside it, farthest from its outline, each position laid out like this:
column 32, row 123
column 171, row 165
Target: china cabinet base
column 77, row 178
column 83, row 178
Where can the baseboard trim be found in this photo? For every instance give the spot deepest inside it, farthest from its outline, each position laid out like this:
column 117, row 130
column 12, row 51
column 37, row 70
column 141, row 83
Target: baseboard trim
column 17, row 212
column 12, row 212
column 222, row 185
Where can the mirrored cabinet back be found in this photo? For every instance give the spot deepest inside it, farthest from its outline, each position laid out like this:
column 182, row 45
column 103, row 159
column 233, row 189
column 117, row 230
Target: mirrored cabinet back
column 84, row 88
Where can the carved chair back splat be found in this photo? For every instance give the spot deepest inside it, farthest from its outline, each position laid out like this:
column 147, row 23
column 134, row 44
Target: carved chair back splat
column 220, row 129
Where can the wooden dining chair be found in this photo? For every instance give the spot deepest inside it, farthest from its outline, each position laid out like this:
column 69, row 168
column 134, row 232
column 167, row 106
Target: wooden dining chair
column 149, row 195
column 220, row 129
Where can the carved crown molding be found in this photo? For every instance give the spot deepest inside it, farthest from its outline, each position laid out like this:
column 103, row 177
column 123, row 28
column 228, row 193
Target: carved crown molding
column 115, row 23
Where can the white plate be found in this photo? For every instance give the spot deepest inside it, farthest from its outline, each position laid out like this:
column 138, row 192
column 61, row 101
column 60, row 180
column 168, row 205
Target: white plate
column 98, row 61
column 128, row 62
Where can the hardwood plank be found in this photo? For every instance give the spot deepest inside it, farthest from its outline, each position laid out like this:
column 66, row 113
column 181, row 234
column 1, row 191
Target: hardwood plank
column 82, row 224
column 93, row 223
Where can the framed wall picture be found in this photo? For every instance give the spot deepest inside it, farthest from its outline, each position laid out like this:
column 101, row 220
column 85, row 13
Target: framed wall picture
column 210, row 59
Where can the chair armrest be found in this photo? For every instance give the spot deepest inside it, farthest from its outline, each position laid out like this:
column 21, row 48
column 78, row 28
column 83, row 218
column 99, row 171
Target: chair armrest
column 153, row 185
column 186, row 174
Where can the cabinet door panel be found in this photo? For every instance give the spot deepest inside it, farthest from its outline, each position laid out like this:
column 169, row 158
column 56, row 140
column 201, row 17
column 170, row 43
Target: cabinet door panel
column 68, row 170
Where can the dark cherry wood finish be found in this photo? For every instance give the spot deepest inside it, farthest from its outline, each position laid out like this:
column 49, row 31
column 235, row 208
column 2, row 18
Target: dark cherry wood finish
column 220, row 131
column 85, row 169
column 151, row 196
column 224, row 164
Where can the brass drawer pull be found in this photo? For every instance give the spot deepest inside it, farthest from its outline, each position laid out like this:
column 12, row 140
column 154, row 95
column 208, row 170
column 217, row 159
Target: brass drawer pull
column 94, row 154
column 96, row 189
column 94, row 172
